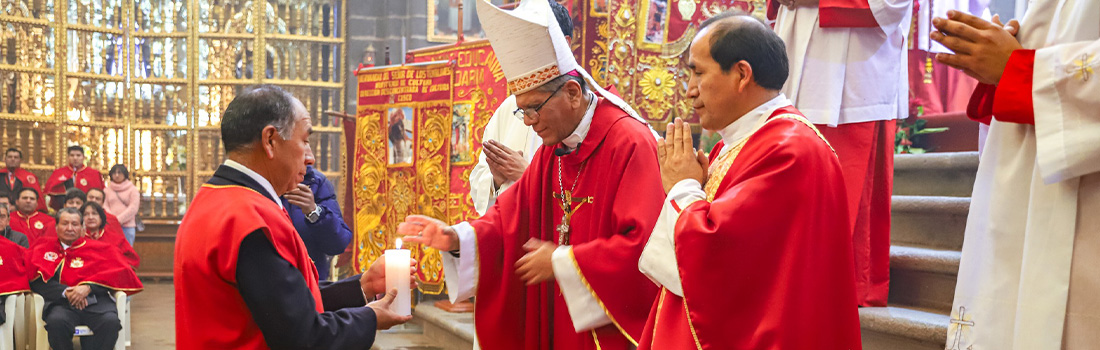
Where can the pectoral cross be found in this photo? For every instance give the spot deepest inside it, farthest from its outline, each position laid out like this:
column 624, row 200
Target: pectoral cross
column 566, row 199
column 958, row 324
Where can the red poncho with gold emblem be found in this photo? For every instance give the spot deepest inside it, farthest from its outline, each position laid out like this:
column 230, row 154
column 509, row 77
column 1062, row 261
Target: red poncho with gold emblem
column 85, row 262
column 86, row 178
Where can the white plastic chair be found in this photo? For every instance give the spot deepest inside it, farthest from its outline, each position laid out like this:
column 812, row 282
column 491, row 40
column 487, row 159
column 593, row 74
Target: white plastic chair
column 10, row 336
column 41, row 338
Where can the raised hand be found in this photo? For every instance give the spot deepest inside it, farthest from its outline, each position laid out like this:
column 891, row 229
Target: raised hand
column 982, row 48
column 429, row 232
column 382, row 313
column 678, row 158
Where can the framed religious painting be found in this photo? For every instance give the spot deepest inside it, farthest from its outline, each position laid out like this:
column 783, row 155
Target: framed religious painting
column 461, row 123
column 598, row 8
column 445, row 19
column 400, row 136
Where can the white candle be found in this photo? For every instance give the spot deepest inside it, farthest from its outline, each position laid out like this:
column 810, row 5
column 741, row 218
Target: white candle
column 397, row 276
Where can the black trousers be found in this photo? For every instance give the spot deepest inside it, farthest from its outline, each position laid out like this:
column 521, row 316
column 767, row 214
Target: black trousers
column 61, row 324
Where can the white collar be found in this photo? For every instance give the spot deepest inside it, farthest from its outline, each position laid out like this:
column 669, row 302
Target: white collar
column 64, row 246
column 581, row 131
column 256, row 177
column 738, row 130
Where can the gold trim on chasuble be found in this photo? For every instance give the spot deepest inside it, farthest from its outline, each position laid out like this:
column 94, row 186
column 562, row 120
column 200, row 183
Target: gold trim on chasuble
column 598, row 301
column 721, row 166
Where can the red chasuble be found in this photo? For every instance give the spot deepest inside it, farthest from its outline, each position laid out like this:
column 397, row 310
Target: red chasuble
column 84, row 179
column 768, row 263
column 34, row 226
column 210, row 313
column 85, row 262
column 621, row 178
column 114, row 237
column 29, row 180
column 13, row 269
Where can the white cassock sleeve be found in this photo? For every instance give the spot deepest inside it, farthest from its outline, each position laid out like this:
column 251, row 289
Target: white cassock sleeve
column 892, row 15
column 658, row 260
column 1066, row 102
column 584, row 309
column 482, row 191
column 461, row 273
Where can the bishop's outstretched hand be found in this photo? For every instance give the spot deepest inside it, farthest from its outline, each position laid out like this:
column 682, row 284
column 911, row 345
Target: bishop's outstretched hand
column 429, row 232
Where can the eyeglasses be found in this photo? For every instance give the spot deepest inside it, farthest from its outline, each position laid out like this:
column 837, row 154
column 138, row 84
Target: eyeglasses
column 534, row 112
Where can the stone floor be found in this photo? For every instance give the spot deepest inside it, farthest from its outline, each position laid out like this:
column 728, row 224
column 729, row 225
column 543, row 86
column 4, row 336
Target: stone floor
column 153, row 316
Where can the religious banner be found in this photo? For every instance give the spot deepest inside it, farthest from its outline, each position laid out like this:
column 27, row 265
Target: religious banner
column 402, row 159
column 479, row 87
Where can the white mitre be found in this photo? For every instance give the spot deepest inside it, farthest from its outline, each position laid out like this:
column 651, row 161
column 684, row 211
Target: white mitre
column 532, row 50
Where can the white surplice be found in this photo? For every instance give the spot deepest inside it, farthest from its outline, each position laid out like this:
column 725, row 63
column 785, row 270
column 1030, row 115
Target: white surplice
column 1029, row 276
column 848, row 75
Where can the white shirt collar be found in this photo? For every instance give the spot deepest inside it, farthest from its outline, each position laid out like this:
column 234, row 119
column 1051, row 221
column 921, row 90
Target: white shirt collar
column 738, row 130
column 65, row 246
column 581, row 131
column 256, row 177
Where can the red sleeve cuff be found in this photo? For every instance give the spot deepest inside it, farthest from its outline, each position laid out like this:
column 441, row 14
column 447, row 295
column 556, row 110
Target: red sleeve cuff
column 1012, row 101
column 980, row 108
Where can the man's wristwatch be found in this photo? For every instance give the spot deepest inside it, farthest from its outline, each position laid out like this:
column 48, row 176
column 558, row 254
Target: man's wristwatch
column 315, row 215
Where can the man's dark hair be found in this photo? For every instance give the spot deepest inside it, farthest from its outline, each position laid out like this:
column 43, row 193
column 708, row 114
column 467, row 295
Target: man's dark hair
column 98, row 210
column 15, row 195
column 558, row 82
column 67, row 210
column 252, row 111
column 76, row 193
column 97, row 190
column 13, row 149
column 119, row 168
column 751, row 41
column 77, row 148
column 562, row 15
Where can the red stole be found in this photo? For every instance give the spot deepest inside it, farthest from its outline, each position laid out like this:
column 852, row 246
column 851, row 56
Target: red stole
column 35, row 226
column 207, row 246
column 113, row 237
column 84, row 179
column 623, row 178
column 29, row 180
column 768, row 263
column 13, row 269
column 85, row 262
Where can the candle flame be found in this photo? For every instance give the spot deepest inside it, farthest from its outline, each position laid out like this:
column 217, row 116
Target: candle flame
column 398, row 244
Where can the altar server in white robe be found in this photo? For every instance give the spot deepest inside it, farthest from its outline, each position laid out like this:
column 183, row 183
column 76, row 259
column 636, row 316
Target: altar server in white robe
column 1030, row 272
column 849, row 76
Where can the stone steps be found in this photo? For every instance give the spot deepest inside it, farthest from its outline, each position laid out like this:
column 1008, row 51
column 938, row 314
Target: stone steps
column 929, row 221
column 935, row 174
column 901, row 328
column 430, row 329
column 922, row 277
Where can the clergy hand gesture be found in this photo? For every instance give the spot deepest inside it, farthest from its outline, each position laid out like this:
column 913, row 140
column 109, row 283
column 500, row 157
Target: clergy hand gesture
column 678, row 158
column 505, row 164
column 429, row 232
column 385, row 318
column 982, row 48
column 535, row 266
column 374, row 280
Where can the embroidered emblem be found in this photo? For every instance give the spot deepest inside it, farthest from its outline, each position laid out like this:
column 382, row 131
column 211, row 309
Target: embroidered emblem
column 32, row 180
column 38, row 225
column 1083, row 68
column 63, row 178
column 84, row 182
column 50, row 256
column 76, row 263
column 958, row 326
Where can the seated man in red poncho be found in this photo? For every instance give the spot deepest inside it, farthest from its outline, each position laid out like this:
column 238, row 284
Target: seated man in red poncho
column 78, row 277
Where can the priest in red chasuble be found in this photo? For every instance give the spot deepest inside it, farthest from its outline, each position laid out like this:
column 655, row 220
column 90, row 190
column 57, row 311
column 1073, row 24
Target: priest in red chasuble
column 78, row 278
column 752, row 248
column 243, row 276
column 553, row 262
column 75, row 175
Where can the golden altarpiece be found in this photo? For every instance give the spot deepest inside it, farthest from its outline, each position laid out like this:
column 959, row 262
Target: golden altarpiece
column 143, row 83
